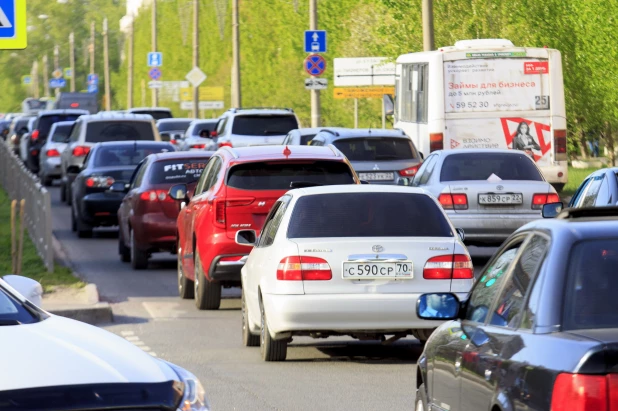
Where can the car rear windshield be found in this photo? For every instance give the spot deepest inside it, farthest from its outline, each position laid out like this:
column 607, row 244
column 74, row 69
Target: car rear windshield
column 127, row 154
column 592, row 285
column 285, row 175
column 479, row 166
column 177, row 171
column 180, row 125
column 376, row 214
column 102, row 131
column 376, row 148
column 61, row 133
column 210, row 126
column 156, row 114
column 46, row 122
column 264, row 125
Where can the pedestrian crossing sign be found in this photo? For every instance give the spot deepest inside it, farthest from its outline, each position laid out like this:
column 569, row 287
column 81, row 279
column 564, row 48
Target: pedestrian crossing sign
column 13, row 33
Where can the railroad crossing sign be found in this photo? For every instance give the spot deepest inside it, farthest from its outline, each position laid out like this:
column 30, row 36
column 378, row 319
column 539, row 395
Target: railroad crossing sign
column 13, row 25
column 315, row 64
column 155, row 59
column 155, row 73
column 315, row 41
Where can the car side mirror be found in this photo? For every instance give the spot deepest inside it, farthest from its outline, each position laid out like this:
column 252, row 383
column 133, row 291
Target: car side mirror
column 119, row 187
column 437, row 306
column 403, row 181
column 27, row 287
column 178, row 192
column 364, row 182
column 552, row 210
column 246, row 237
column 461, row 233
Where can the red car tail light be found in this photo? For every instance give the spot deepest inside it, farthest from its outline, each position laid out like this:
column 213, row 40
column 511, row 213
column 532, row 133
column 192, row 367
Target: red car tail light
column 35, row 135
column 199, row 146
column 446, row 267
column 173, row 141
column 409, row 172
column 540, row 199
column 99, row 182
column 560, row 145
column 436, row 141
column 225, row 144
column 52, row 153
column 453, row 201
column 80, row 151
column 304, row 269
column 220, row 212
column 154, row 195
column 579, row 392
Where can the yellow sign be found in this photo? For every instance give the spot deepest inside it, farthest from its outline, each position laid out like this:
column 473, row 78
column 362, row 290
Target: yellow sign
column 206, row 94
column 363, row 92
column 13, row 24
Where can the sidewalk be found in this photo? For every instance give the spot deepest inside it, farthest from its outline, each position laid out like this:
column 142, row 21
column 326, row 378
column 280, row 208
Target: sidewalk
column 80, row 304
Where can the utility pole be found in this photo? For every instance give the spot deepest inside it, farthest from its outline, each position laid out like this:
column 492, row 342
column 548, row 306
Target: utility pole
column 315, row 94
column 155, row 94
column 196, row 53
column 236, row 95
column 130, row 71
column 35, row 79
column 56, row 65
column 45, row 76
column 92, row 34
column 72, row 59
column 428, row 43
column 108, row 94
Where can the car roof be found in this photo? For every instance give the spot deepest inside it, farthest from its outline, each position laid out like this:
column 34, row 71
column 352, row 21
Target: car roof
column 340, row 133
column 478, row 150
column 256, row 153
column 116, row 116
column 169, row 120
column 148, row 108
column 260, row 110
column 581, row 228
column 133, row 143
column 202, row 121
column 44, row 113
column 356, row 188
column 603, row 171
column 185, row 155
column 314, row 130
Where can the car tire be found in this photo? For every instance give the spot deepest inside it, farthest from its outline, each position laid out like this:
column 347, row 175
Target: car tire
column 63, row 193
column 83, row 230
column 248, row 339
column 139, row 258
column 185, row 286
column 123, row 250
column 420, row 404
column 207, row 293
column 270, row 349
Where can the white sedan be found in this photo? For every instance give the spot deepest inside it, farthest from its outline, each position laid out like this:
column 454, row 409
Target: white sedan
column 348, row 260
column 54, row 363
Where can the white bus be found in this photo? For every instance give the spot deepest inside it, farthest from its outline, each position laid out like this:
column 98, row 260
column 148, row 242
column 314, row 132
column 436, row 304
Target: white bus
column 485, row 94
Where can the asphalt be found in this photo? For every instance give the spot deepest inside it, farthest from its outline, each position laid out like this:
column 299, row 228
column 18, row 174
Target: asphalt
column 331, row 374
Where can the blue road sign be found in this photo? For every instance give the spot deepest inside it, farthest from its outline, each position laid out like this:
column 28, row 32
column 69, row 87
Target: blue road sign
column 155, row 59
column 57, row 83
column 315, row 41
column 93, row 79
column 93, row 88
column 155, row 73
column 315, row 64
column 13, row 33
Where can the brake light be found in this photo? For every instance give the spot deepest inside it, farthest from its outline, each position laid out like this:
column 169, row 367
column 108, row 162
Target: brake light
column 52, row 153
column 80, row 151
column 74, row 105
column 200, row 146
column 578, row 392
column 304, row 269
column 436, row 141
column 409, row 172
column 220, row 212
column 225, row 144
column 35, row 135
column 538, row 200
column 173, row 141
column 453, row 201
column 446, row 267
column 154, row 195
column 560, row 145
column 99, row 182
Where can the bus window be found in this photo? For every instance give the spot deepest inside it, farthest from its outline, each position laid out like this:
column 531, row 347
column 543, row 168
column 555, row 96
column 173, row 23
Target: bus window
column 414, row 93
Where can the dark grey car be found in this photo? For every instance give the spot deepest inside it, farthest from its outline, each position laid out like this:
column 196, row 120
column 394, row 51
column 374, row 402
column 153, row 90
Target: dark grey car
column 378, row 156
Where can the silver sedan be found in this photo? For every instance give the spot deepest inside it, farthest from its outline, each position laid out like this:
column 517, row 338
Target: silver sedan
column 49, row 159
column 487, row 193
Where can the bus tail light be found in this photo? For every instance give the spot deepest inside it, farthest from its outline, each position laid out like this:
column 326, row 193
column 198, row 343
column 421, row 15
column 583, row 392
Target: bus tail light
column 436, row 141
column 453, row 201
column 304, row 269
column 560, row 145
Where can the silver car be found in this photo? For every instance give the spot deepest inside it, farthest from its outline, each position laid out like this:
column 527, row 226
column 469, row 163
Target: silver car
column 49, row 159
column 243, row 127
column 302, row 136
column 199, row 136
column 488, row 193
column 173, row 129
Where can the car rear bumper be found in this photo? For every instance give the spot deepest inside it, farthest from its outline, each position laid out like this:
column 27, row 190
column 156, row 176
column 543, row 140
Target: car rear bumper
column 101, row 208
column 345, row 312
column 155, row 230
column 227, row 270
column 490, row 227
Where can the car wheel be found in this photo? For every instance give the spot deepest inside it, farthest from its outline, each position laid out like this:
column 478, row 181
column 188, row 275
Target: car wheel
column 139, row 258
column 271, row 350
column 83, row 229
column 63, row 193
column 248, row 339
column 207, row 293
column 185, row 286
column 123, row 250
column 421, row 399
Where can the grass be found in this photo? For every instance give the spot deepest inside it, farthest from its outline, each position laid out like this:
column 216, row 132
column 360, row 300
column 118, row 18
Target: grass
column 576, row 177
column 32, row 265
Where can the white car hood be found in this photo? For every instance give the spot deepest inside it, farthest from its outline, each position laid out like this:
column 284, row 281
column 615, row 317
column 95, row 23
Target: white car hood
column 59, row 351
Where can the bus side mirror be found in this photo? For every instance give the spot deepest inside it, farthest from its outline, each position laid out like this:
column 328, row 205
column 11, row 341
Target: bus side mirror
column 389, row 104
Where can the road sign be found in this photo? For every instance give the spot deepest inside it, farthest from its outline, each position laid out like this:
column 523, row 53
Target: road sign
column 362, row 92
column 316, row 83
column 93, row 88
column 155, row 73
column 315, row 64
column 57, row 83
column 364, row 71
column 93, row 79
column 155, row 84
column 315, row 41
column 13, row 26
column 155, row 59
column 196, row 76
column 205, row 94
column 57, row 73
column 26, row 80
column 203, row 105
column 68, row 73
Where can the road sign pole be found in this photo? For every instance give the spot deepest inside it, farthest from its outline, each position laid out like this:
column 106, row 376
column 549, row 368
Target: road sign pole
column 428, row 43
column 196, row 53
column 45, row 76
column 108, row 97
column 35, row 79
column 315, row 94
column 155, row 92
column 236, row 89
column 130, row 68
column 72, row 59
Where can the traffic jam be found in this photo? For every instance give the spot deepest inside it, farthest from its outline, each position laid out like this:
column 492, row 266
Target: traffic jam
column 365, row 234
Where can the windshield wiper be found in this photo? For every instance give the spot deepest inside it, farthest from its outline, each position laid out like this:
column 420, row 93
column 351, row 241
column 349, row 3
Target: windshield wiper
column 9, row 322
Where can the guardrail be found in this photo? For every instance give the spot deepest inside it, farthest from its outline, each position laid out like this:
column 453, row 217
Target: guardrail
column 20, row 183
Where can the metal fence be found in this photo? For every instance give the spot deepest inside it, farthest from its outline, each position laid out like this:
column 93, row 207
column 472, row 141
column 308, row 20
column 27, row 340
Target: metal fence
column 20, row 183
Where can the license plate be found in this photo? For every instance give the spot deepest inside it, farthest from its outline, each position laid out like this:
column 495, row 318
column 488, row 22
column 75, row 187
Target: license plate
column 491, row 199
column 376, row 176
column 355, row 271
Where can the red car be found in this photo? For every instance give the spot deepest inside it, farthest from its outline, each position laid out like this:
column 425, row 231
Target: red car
column 147, row 215
column 236, row 192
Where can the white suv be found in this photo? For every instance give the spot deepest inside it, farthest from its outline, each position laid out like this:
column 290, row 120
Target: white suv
column 348, row 260
column 243, row 127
